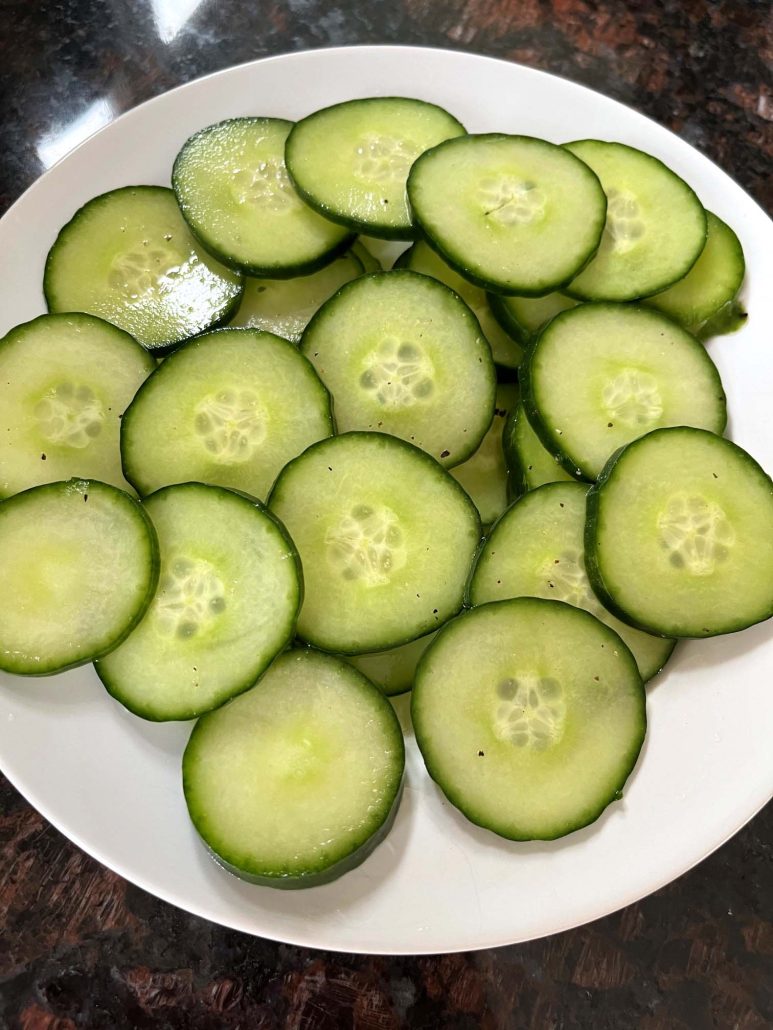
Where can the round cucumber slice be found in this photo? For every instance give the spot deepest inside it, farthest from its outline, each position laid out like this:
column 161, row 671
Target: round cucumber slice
column 128, row 257
column 296, row 781
column 537, row 550
column 228, row 597
column 393, row 671
column 679, row 537
column 80, row 566
column 229, row 408
column 386, row 539
column 350, row 161
column 655, row 228
column 529, row 464
column 402, row 354
column 530, row 715
column 65, row 381
column 234, row 191
column 510, row 213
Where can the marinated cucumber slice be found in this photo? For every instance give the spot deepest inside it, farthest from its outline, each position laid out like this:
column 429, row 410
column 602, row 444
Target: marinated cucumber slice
column 350, row 161
column 65, row 381
column 296, row 781
column 655, row 229
column 679, row 537
column 421, row 258
column 530, row 715
column 285, row 306
column 711, row 284
column 385, row 252
column 386, row 539
column 511, row 213
column 229, row 408
column 525, row 317
column 226, row 604
column 402, row 354
column 393, row 671
column 234, row 191
column 537, row 550
column 529, row 464
column 484, row 475
column 128, row 257
column 602, row 374
column 370, row 262
column 80, row 565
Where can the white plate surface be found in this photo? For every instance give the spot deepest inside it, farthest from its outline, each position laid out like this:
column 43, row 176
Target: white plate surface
column 112, row 783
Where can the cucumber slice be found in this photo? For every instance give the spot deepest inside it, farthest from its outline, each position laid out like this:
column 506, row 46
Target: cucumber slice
column 350, row 161
column 484, row 475
column 386, row 539
column 234, row 192
column 296, row 781
column 226, row 604
column 128, row 257
column 80, row 565
column 525, row 317
column 64, row 383
column 537, row 550
column 679, row 538
column 510, row 213
column 529, row 464
column 505, row 350
column 370, row 262
column 530, row 715
column 285, row 306
column 229, row 408
column 402, row 354
column 655, row 229
column 393, row 671
column 711, row 284
column 602, row 374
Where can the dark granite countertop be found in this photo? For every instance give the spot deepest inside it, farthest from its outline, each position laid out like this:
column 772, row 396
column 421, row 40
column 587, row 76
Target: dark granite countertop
column 79, row 947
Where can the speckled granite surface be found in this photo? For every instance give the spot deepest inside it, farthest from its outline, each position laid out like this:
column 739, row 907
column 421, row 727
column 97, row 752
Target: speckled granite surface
column 81, row 948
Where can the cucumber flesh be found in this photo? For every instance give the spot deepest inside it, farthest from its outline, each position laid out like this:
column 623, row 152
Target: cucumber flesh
column 393, row 671
column 296, row 781
column 529, row 463
column 484, row 475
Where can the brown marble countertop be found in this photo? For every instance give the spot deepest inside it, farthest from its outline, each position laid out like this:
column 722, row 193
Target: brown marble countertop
column 79, row 946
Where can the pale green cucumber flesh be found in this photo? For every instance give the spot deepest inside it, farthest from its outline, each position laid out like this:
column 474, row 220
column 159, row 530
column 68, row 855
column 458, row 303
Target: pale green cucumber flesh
column 228, row 596
column 529, row 463
column 530, row 715
column 296, row 781
column 393, row 671
column 484, row 474
column 679, row 538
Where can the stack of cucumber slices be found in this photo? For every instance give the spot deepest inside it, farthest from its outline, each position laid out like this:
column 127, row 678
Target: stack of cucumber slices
column 261, row 482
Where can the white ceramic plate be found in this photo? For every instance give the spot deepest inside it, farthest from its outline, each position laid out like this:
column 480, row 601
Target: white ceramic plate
column 112, row 783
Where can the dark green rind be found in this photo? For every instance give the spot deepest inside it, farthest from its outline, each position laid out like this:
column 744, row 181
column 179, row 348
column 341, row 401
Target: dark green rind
column 728, row 319
column 153, row 561
column 585, row 818
column 315, row 877
column 161, row 349
column 113, row 687
column 504, row 317
column 380, row 231
column 593, row 565
column 458, row 261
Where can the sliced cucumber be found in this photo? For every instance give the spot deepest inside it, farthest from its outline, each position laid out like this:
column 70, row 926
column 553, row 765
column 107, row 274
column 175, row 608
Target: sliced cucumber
column 285, row 306
column 511, row 213
column 234, row 191
column 537, row 550
column 525, row 317
column 65, row 381
column 402, row 354
column 602, row 374
column 529, row 464
column 296, row 781
column 350, row 161
column 679, row 538
column 386, row 539
column 229, row 408
column 484, row 475
column 393, row 671
column 128, row 257
column 655, row 229
column 226, row 604
column 370, row 262
column 421, row 258
column 80, row 565
column 711, row 284
column 530, row 715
